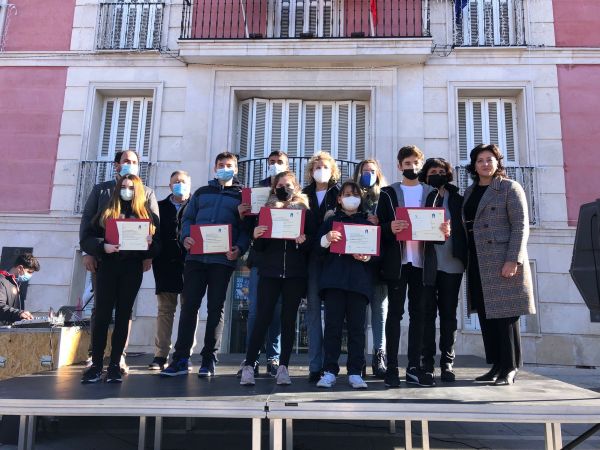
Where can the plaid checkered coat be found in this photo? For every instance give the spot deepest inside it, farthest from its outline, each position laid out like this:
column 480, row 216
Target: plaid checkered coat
column 501, row 230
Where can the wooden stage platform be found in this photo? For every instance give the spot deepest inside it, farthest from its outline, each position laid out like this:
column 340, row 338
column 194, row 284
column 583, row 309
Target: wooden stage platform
column 143, row 394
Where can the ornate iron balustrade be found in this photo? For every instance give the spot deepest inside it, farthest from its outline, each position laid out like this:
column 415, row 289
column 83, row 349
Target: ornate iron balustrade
column 130, row 25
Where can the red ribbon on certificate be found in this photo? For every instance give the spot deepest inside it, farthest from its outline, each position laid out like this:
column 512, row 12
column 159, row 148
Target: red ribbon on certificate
column 340, row 246
column 265, row 219
column 403, row 214
column 111, row 234
column 199, row 247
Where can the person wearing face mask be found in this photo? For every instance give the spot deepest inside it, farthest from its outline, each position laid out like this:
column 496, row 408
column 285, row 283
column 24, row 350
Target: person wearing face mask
column 443, row 267
column 322, row 175
column 346, row 285
column 168, row 265
column 278, row 162
column 11, row 305
column 282, row 268
column 402, row 268
column 369, row 176
column 216, row 203
column 119, row 274
column 125, row 162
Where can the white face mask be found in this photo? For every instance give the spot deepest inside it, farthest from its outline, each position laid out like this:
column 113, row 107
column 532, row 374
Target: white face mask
column 276, row 169
column 322, row 175
column 126, row 194
column 350, row 203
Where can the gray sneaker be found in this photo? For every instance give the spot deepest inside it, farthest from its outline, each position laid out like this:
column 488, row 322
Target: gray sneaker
column 283, row 376
column 247, row 376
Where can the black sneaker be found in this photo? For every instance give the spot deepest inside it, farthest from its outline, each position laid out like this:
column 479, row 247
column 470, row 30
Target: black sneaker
column 158, row 363
column 272, row 367
column 379, row 364
column 239, row 372
column 207, row 369
column 419, row 377
column 113, row 373
column 314, row 377
column 391, row 378
column 92, row 374
column 448, row 375
column 412, row 375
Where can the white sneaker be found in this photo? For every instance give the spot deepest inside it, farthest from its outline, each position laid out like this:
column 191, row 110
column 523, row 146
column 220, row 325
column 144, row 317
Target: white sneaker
column 357, row 382
column 327, row 380
column 283, row 376
column 247, row 376
column 123, row 365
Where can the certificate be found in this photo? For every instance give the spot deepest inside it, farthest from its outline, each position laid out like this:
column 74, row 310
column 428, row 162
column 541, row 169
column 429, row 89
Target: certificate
column 257, row 197
column 282, row 223
column 424, row 224
column 356, row 239
column 210, row 239
column 129, row 234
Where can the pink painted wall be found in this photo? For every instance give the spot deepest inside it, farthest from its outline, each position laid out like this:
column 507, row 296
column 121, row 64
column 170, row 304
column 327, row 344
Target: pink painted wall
column 225, row 18
column 577, row 23
column 31, row 104
column 579, row 91
column 40, row 25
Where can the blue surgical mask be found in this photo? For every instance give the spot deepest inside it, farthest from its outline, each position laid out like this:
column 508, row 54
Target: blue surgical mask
column 24, row 278
column 225, row 174
column 126, row 194
column 129, row 169
column 181, row 189
column 368, row 179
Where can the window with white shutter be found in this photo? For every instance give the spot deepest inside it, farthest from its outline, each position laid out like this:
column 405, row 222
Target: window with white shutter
column 320, row 18
column 489, row 23
column 487, row 121
column 300, row 128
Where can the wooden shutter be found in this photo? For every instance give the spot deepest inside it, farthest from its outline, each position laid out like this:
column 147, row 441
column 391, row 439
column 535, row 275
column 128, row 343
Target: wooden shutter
column 493, row 121
column 293, row 128
column 477, row 122
column 244, row 129
column 309, row 135
column 510, row 131
column 360, row 126
column 276, row 125
column 285, row 11
column 327, row 128
column 463, row 145
column 147, row 121
column 326, row 16
column 259, row 128
column 312, row 24
column 299, row 14
column 343, row 134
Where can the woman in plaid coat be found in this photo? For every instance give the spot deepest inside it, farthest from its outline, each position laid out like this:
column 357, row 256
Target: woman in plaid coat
column 500, row 289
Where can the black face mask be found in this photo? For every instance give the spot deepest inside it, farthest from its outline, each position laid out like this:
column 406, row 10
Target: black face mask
column 410, row 174
column 283, row 193
column 437, row 180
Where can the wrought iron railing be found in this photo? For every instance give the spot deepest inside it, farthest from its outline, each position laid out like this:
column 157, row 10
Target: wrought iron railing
column 285, row 19
column 252, row 171
column 94, row 172
column 489, row 23
column 130, row 25
column 524, row 175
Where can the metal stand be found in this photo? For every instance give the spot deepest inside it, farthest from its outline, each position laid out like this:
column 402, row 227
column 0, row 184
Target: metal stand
column 142, row 433
column 157, row 432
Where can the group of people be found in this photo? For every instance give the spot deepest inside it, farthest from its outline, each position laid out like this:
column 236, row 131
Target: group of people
column 486, row 235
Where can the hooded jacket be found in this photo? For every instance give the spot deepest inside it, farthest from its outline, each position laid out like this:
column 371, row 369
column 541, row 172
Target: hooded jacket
column 10, row 307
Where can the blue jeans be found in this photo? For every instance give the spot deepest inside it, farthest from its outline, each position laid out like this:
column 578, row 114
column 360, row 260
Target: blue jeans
column 312, row 317
column 272, row 344
column 379, row 307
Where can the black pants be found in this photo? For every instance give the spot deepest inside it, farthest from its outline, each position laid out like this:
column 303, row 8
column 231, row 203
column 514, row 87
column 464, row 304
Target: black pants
column 117, row 284
column 340, row 305
column 291, row 290
column 198, row 278
column 501, row 340
column 442, row 298
column 412, row 279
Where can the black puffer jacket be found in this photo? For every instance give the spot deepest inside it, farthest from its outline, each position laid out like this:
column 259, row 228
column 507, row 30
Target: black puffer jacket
column 329, row 203
column 282, row 258
column 343, row 271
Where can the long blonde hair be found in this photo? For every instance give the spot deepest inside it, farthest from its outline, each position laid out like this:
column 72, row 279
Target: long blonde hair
column 138, row 203
column 325, row 157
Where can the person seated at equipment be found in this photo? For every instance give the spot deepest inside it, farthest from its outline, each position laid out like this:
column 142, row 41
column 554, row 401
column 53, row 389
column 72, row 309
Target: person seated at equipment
column 11, row 303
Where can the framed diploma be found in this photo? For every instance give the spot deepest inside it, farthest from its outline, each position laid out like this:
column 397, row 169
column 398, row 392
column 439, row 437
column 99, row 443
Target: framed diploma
column 424, row 224
column 129, row 234
column 257, row 197
column 282, row 223
column 356, row 239
column 210, row 239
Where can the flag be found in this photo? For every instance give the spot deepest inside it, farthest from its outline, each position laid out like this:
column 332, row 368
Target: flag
column 459, row 7
column 374, row 11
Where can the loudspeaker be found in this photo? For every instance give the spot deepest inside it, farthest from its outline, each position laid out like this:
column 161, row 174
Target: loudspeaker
column 585, row 264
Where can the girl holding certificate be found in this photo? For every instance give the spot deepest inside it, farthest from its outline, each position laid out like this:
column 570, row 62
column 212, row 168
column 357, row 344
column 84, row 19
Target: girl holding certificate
column 282, row 270
column 119, row 273
column 370, row 177
column 346, row 286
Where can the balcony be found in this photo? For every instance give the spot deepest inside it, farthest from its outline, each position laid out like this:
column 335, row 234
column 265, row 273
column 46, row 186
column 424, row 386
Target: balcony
column 94, row 172
column 251, row 171
column 255, row 31
column 130, row 25
column 524, row 175
column 489, row 23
